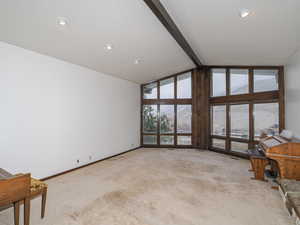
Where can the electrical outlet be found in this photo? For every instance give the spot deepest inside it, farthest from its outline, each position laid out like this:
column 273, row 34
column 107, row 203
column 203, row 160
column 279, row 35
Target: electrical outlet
column 78, row 161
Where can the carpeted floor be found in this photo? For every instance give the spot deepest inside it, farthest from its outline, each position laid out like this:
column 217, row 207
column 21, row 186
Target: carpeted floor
column 160, row 187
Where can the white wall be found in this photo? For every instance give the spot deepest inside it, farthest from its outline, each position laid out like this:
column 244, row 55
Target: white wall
column 292, row 88
column 53, row 113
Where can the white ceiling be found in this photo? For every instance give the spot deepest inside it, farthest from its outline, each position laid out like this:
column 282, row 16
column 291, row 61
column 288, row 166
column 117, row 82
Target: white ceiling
column 212, row 27
column 128, row 25
column 217, row 33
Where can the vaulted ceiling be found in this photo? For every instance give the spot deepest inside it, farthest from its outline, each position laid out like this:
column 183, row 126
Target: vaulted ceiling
column 268, row 36
column 213, row 29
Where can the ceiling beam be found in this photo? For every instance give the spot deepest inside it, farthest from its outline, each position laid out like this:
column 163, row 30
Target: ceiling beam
column 161, row 13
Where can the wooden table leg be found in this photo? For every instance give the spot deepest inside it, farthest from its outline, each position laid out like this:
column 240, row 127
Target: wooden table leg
column 44, row 198
column 17, row 213
column 252, row 166
column 27, row 211
column 259, row 166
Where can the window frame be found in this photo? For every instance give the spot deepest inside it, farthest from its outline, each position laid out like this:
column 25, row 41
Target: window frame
column 211, row 82
column 261, row 69
column 230, row 115
column 142, row 91
column 248, row 75
column 251, row 98
column 201, row 101
column 177, row 80
column 265, row 102
column 174, row 87
column 174, row 101
column 211, row 120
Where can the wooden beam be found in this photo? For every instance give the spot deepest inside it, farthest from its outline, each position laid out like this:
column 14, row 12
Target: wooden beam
column 161, row 13
column 245, row 98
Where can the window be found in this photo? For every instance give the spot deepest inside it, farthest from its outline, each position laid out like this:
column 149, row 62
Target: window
column 240, row 112
column 239, row 147
column 239, row 79
column 167, row 88
column 150, row 119
column 184, row 119
column 184, row 140
column 218, row 82
column 265, row 80
column 150, row 139
column 239, row 117
column 184, row 86
column 219, row 143
column 218, row 120
column 150, row 91
column 167, row 140
column 167, row 116
column 266, row 119
column 166, row 119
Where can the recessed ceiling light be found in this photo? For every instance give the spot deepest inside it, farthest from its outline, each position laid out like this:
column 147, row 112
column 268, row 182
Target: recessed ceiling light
column 108, row 47
column 62, row 21
column 244, row 13
column 137, row 61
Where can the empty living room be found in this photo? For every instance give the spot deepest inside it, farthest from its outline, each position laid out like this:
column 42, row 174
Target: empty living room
column 149, row 112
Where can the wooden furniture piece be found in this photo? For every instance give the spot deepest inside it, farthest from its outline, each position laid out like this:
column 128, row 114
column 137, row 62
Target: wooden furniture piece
column 278, row 151
column 37, row 188
column 287, row 157
column 258, row 165
column 13, row 190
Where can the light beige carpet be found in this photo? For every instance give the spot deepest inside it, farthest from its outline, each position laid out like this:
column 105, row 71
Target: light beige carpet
column 160, row 187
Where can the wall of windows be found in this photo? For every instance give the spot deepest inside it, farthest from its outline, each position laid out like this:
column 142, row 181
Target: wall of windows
column 167, row 111
column 221, row 108
column 244, row 103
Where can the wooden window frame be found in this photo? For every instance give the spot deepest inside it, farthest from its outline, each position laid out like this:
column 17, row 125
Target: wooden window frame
column 142, row 90
column 211, row 121
column 228, row 75
column 175, row 101
column 264, row 102
column 250, row 98
column 202, row 101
